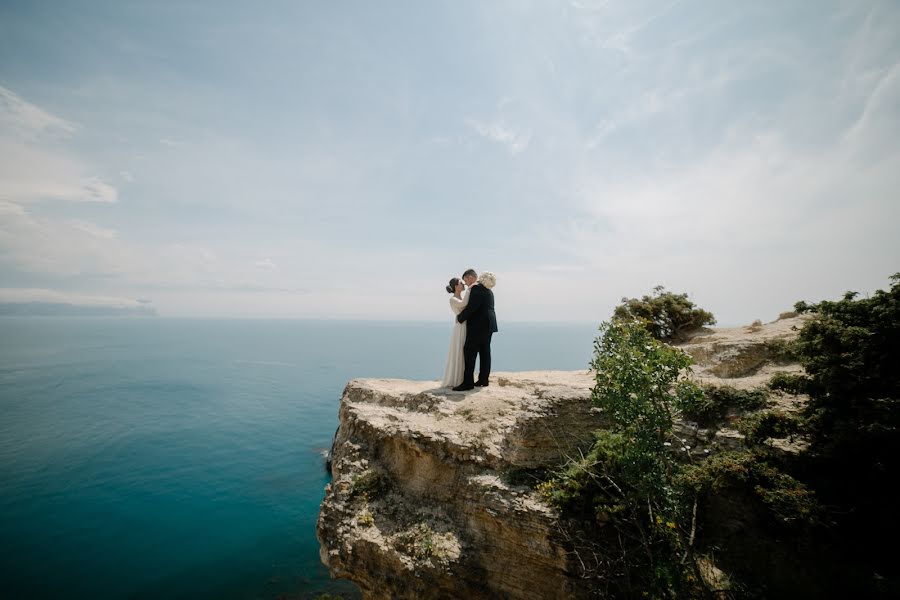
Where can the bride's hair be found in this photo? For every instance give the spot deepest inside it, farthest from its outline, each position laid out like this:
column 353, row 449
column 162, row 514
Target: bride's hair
column 452, row 287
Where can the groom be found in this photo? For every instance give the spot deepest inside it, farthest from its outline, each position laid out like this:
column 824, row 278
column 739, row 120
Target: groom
column 481, row 324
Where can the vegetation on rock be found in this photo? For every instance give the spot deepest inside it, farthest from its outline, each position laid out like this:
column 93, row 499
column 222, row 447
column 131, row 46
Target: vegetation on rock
column 368, row 485
column 627, row 482
column 420, row 542
column 756, row 473
column 667, row 316
column 792, row 383
column 716, row 401
column 761, row 426
column 832, row 498
column 851, row 354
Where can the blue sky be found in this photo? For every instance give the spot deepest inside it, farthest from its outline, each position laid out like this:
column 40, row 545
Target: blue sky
column 344, row 159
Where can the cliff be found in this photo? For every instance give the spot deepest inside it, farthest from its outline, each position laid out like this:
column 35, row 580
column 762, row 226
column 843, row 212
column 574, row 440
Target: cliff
column 432, row 493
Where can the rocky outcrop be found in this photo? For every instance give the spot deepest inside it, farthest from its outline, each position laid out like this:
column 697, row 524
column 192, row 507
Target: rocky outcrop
column 744, row 357
column 430, row 494
column 427, row 500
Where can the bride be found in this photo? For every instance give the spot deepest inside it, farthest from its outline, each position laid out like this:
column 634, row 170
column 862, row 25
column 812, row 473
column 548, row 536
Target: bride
column 453, row 372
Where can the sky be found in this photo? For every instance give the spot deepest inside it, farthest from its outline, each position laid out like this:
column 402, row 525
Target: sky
column 343, row 160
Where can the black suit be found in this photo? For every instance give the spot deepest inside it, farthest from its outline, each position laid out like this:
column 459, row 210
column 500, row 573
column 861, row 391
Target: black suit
column 481, row 324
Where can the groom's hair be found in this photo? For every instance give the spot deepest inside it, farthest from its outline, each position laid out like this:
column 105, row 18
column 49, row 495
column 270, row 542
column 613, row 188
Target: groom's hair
column 470, row 272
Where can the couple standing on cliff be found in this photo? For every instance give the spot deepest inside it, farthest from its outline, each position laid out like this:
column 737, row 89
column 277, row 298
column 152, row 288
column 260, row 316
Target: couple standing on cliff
column 472, row 302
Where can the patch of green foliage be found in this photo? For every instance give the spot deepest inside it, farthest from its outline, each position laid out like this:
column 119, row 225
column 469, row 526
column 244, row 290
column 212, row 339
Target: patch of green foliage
column 636, row 380
column 587, row 486
column 851, row 354
column 626, row 481
column 715, row 402
column 365, row 519
column 418, row 542
column 788, row 501
column 367, row 485
column 759, row 427
column 635, row 488
column 791, row 383
column 783, row 351
column 668, row 316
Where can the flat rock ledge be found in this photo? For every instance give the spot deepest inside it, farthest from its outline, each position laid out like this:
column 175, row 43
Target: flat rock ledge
column 425, row 500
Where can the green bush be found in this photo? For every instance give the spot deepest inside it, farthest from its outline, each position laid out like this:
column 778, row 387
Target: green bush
column 420, row 542
column 585, row 487
column 638, row 381
column 792, row 383
column 714, row 403
column 626, row 481
column 367, row 485
column 759, row 427
column 788, row 501
column 783, row 351
column 668, row 316
column 851, row 353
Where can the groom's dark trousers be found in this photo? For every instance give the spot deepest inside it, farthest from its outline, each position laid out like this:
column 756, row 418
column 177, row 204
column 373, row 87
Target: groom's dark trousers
column 471, row 350
column 481, row 324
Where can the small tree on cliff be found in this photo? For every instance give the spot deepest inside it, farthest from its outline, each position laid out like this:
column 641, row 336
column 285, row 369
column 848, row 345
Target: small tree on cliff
column 626, row 483
column 668, row 316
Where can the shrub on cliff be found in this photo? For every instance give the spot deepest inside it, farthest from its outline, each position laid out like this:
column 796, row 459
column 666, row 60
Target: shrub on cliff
column 715, row 402
column 625, row 485
column 788, row 501
column 641, row 500
column 851, row 353
column 668, row 316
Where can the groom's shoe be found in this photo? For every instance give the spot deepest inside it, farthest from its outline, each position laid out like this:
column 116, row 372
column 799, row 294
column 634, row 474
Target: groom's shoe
column 463, row 388
column 481, row 384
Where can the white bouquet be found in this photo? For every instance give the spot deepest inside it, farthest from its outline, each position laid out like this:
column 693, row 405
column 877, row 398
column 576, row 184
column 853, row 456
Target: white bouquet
column 487, row 279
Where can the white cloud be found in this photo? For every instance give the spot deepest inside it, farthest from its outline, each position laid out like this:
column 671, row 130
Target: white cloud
column 501, row 133
column 93, row 229
column 31, row 174
column 58, row 247
column 35, row 163
column 26, row 121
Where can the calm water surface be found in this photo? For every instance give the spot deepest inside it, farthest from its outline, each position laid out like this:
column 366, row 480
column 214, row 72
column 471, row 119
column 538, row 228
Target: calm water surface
column 170, row 458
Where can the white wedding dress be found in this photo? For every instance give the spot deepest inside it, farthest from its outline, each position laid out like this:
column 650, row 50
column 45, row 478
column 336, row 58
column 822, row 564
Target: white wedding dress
column 456, row 365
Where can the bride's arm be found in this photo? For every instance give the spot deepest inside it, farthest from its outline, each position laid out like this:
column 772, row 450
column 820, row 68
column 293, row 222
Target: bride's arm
column 458, row 304
column 465, row 299
column 470, row 308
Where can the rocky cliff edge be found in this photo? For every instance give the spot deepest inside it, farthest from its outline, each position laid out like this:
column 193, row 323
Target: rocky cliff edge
column 432, row 492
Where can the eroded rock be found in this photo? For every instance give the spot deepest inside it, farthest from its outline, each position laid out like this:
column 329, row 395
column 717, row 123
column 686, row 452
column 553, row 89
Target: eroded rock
column 421, row 504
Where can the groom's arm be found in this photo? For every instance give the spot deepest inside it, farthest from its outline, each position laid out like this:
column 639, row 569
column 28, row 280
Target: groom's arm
column 475, row 300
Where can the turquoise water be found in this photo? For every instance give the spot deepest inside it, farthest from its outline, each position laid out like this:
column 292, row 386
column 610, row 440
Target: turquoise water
column 170, row 458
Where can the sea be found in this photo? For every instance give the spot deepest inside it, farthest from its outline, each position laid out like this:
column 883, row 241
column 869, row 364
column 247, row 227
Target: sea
column 185, row 458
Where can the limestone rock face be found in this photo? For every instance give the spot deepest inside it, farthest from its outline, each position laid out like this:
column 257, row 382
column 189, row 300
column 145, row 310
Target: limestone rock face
column 424, row 500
